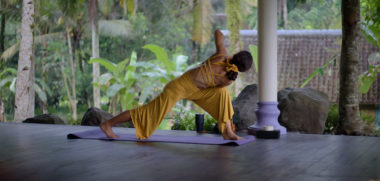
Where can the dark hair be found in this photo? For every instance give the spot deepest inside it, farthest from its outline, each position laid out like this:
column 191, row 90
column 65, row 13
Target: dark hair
column 243, row 60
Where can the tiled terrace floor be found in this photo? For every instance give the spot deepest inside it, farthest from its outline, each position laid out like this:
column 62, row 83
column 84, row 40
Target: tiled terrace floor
column 42, row 152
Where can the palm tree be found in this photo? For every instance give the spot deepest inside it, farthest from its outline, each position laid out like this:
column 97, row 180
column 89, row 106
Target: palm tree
column 7, row 11
column 349, row 118
column 24, row 100
column 95, row 50
column 73, row 15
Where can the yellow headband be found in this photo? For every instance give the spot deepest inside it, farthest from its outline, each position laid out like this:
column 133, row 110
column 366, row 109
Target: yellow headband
column 231, row 67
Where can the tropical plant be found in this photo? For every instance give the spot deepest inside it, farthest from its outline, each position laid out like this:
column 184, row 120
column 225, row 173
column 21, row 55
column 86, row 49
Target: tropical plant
column 368, row 77
column 309, row 14
column 332, row 119
column 153, row 74
column 370, row 28
column 118, row 81
column 370, row 25
column 185, row 120
column 24, row 98
column 141, row 81
column 8, row 80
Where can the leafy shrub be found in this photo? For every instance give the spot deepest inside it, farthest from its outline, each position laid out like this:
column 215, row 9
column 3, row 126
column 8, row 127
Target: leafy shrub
column 186, row 121
column 332, row 119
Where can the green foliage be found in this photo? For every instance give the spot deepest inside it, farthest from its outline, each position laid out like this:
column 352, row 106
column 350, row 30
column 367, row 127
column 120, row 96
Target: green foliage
column 248, row 11
column 367, row 78
column 8, row 79
column 332, row 119
column 161, row 57
column 166, row 124
column 167, row 68
column 368, row 118
column 11, row 51
column 185, row 120
column 118, row 83
column 310, row 14
column 370, row 25
column 72, row 8
column 131, row 82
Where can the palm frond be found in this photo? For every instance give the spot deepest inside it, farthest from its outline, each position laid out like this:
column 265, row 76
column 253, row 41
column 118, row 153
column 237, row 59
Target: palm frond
column 8, row 53
column 202, row 22
column 11, row 51
column 115, row 28
column 71, row 8
column 11, row 13
column 44, row 86
column 11, row 71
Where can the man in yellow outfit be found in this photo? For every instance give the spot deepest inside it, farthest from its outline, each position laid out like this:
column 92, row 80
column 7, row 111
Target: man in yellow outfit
column 205, row 85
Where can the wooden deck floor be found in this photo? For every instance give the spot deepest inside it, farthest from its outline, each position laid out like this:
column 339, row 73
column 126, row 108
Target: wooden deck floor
column 42, row 152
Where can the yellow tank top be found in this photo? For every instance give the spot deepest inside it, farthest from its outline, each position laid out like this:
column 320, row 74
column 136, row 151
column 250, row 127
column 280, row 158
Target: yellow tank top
column 209, row 76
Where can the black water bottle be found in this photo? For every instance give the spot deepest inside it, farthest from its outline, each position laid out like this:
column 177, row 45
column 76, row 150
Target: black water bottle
column 199, row 121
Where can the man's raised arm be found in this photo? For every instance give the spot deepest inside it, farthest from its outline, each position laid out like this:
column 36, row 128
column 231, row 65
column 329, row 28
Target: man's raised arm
column 219, row 38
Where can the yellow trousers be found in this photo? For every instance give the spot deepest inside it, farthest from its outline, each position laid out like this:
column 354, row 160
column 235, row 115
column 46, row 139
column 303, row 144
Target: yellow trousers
column 216, row 101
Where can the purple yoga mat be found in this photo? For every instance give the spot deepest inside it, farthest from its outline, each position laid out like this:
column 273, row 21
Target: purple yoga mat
column 98, row 134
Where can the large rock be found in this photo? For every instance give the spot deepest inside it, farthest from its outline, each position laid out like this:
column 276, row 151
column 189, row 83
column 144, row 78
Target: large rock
column 45, row 119
column 244, row 107
column 94, row 116
column 303, row 110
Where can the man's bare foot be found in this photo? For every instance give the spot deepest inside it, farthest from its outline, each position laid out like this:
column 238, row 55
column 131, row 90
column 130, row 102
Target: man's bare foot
column 107, row 129
column 231, row 136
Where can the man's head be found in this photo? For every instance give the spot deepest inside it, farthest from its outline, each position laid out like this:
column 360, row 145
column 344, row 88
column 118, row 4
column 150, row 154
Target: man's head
column 243, row 60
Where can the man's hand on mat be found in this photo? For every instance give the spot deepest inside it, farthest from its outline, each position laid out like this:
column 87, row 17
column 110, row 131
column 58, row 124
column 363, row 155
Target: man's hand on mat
column 107, row 129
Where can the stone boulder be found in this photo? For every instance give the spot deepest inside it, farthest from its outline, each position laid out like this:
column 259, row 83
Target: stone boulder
column 303, row 110
column 94, row 116
column 45, row 119
column 244, row 107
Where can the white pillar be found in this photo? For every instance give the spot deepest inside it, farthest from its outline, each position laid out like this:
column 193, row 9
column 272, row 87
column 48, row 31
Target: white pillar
column 267, row 50
column 267, row 112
